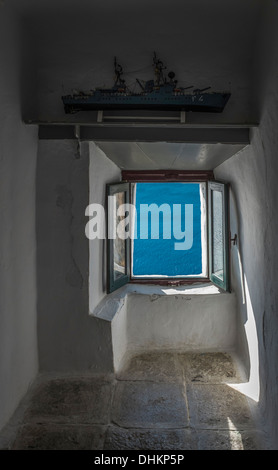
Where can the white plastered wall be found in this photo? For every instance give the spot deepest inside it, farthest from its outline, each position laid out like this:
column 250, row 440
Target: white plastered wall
column 253, row 177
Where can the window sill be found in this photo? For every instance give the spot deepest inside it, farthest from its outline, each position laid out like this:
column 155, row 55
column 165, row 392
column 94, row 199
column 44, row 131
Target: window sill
column 114, row 302
column 199, row 288
column 170, row 282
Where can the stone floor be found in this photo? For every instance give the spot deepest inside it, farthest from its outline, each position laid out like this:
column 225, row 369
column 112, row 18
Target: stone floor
column 160, row 401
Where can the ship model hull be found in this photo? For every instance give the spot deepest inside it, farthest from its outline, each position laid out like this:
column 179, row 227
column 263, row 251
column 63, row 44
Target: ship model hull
column 206, row 102
column 158, row 94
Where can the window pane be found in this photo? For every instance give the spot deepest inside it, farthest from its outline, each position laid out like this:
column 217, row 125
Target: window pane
column 119, row 241
column 118, row 245
column 170, row 230
column 217, row 235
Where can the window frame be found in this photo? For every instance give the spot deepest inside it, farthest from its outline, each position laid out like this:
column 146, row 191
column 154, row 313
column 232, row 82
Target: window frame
column 169, row 176
column 223, row 188
column 114, row 284
column 130, row 177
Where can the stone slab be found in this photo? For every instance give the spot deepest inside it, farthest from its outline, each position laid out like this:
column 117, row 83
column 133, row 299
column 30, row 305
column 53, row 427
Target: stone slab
column 71, row 400
column 59, row 437
column 150, row 439
column 149, row 404
column 209, row 368
column 156, row 367
column 227, row 440
column 218, row 406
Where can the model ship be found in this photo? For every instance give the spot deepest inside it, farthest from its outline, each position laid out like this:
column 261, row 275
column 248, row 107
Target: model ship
column 161, row 93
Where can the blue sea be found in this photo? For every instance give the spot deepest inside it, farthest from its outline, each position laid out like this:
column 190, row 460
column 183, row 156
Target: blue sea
column 158, row 257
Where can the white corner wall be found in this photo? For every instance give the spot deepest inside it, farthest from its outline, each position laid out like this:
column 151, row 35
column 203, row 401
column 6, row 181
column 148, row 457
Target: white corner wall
column 102, row 171
column 147, row 318
column 253, row 177
column 196, row 321
column 18, row 152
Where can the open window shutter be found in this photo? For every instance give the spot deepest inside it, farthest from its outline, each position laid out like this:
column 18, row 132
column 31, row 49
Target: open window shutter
column 118, row 245
column 218, row 234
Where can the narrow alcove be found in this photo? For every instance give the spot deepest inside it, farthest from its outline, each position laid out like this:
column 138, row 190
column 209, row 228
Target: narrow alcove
column 56, row 315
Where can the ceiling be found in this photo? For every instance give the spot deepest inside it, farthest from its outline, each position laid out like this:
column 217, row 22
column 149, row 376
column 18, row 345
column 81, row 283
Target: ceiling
column 205, row 43
column 121, row 5
column 223, row 31
column 73, row 43
column 164, row 155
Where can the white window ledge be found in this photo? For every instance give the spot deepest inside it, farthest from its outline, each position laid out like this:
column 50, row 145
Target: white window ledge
column 114, row 302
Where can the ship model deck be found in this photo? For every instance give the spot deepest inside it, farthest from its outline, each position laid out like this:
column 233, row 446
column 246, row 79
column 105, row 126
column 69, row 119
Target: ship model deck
column 160, row 93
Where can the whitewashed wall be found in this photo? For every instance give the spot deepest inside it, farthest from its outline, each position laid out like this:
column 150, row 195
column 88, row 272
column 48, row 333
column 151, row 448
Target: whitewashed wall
column 253, row 176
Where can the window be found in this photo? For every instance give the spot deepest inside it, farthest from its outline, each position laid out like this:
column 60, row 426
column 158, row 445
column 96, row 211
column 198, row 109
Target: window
column 218, row 234
column 168, row 228
column 118, row 245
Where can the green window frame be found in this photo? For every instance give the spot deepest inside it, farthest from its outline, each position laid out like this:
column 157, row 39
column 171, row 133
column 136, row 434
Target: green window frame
column 218, row 223
column 217, row 239
column 118, row 253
